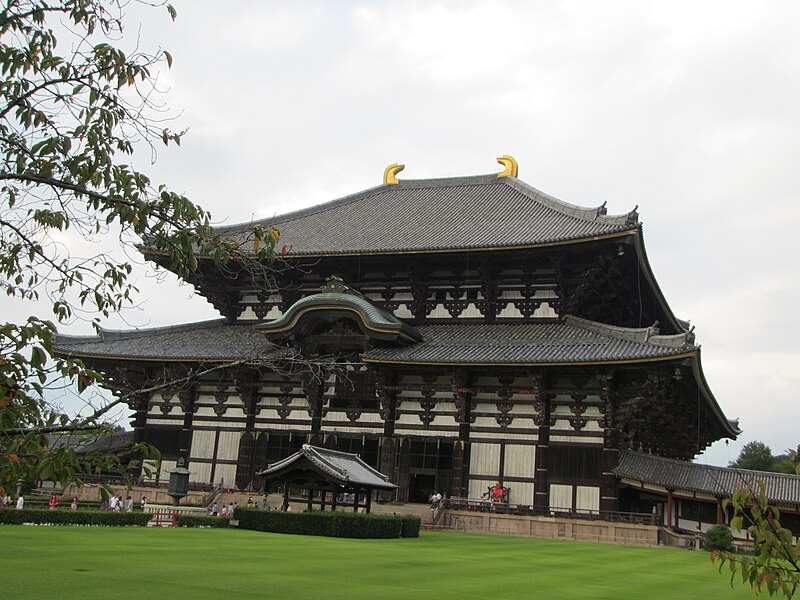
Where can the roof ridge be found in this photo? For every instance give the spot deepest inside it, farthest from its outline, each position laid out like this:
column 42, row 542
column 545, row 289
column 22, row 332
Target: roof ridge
column 643, row 335
column 356, row 196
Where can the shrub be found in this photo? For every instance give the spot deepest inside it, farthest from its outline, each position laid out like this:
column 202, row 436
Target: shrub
column 202, row 521
column 719, row 537
column 68, row 517
column 332, row 524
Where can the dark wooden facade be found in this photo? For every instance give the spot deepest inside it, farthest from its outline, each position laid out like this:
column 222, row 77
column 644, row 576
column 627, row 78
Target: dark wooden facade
column 448, row 368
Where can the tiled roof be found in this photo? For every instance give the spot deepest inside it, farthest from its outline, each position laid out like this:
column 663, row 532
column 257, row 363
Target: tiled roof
column 569, row 341
column 718, row 481
column 207, row 340
column 339, row 467
column 439, row 214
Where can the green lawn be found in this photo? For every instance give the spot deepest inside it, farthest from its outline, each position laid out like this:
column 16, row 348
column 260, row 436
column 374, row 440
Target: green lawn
column 142, row 563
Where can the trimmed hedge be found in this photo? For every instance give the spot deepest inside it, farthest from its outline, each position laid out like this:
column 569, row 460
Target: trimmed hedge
column 202, row 521
column 12, row 516
column 329, row 523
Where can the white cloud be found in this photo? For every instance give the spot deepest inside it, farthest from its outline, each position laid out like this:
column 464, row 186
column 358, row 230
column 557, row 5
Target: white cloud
column 687, row 109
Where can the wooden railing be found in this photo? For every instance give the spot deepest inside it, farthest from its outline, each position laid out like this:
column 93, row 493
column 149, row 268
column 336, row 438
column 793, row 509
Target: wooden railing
column 480, row 505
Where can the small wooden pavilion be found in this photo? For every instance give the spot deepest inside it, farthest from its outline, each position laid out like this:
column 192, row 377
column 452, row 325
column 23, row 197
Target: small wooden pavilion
column 327, row 476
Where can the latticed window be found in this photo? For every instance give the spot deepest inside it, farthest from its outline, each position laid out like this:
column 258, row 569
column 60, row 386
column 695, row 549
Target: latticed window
column 431, row 455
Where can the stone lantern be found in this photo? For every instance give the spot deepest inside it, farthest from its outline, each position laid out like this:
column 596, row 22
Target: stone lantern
column 178, row 482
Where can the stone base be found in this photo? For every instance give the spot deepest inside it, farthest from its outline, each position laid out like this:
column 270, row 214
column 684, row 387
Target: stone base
column 552, row 528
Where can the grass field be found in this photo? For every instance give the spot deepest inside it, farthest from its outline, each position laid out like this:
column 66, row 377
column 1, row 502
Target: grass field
column 142, row 563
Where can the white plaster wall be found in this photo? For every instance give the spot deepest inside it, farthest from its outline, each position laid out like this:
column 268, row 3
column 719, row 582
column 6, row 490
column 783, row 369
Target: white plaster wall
column 228, row 445
column 202, row 444
column 521, row 493
column 484, row 459
column 477, row 487
column 166, row 467
column 560, row 496
column 200, row 472
column 470, row 312
column 519, row 461
column 587, row 498
column 225, row 474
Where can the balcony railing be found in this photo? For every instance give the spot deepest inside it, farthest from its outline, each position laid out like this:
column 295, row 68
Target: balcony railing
column 480, row 505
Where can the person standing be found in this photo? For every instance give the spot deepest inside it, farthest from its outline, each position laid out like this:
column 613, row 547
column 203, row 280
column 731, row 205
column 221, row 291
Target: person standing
column 112, row 503
column 129, row 504
column 53, row 502
column 20, row 503
column 144, row 502
column 74, row 505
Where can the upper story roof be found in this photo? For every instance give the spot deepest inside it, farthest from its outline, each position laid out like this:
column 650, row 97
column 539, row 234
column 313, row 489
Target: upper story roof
column 430, row 215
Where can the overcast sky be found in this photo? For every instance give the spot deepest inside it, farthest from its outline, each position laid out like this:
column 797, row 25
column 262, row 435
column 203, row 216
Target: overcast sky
column 688, row 109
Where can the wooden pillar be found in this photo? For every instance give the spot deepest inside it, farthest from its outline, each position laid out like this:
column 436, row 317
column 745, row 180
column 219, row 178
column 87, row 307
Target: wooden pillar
column 355, row 501
column 463, row 401
column 140, row 404
column 609, row 457
column 386, row 388
column 188, row 398
column 214, row 455
column 388, row 460
column 314, row 390
column 542, row 403
column 310, row 500
column 285, row 505
column 335, row 499
column 719, row 511
column 369, row 500
column 404, row 469
column 669, row 509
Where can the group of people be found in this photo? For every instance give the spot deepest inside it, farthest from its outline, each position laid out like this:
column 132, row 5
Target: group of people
column 435, row 500
column 117, row 504
column 225, row 511
column 9, row 502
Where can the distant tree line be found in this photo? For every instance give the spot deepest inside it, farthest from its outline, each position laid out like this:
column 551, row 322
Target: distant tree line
column 757, row 456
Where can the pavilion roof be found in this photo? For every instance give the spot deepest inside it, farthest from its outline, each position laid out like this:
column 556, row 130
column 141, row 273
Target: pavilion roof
column 694, row 477
column 477, row 212
column 340, row 468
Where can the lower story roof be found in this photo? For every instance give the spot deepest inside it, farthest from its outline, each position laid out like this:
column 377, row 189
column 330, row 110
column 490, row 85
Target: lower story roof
column 570, row 340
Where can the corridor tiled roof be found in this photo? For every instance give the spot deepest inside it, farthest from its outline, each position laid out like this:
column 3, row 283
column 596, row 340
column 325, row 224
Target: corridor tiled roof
column 417, row 215
column 693, row 477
